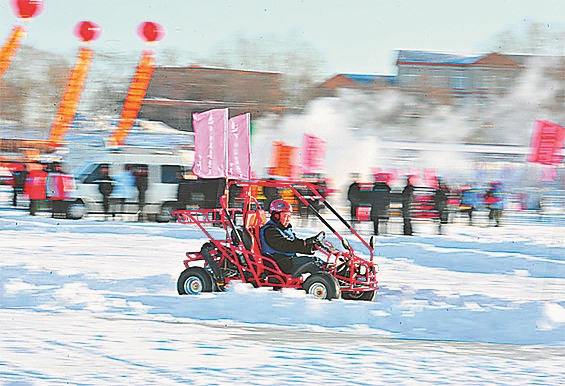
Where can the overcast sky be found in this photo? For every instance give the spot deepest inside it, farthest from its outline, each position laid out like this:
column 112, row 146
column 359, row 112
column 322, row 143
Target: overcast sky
column 358, row 36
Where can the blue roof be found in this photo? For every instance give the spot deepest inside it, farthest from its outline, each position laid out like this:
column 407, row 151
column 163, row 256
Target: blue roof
column 361, row 78
column 368, row 79
column 435, row 57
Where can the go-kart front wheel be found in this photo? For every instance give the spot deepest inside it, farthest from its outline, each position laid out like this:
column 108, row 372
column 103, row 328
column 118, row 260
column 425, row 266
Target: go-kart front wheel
column 193, row 281
column 367, row 296
column 322, row 285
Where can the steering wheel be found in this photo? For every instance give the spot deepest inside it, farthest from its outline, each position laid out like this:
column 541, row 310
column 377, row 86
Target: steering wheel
column 320, row 237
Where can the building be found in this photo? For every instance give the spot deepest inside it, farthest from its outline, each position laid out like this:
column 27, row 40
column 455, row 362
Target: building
column 453, row 79
column 176, row 92
column 366, row 82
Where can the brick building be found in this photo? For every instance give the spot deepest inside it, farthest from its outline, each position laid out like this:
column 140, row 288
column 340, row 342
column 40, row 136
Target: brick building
column 177, row 92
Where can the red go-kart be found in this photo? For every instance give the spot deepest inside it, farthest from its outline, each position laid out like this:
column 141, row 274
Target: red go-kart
column 237, row 255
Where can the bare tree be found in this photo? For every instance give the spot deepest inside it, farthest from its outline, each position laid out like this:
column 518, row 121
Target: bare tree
column 32, row 87
column 299, row 62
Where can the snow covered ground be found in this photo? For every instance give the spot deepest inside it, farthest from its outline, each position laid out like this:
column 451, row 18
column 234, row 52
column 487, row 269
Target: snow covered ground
column 94, row 302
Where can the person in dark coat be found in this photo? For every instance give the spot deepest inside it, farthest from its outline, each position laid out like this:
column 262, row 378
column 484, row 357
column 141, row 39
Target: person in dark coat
column 353, row 196
column 19, row 177
column 279, row 241
column 106, row 187
column 141, row 175
column 440, row 204
column 380, row 205
column 407, row 202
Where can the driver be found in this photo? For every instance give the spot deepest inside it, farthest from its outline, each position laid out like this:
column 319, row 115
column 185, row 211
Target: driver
column 279, row 242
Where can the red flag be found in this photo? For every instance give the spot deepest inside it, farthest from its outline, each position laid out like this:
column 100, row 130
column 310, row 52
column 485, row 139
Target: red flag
column 547, row 143
column 283, row 160
column 239, row 147
column 209, row 143
column 313, row 152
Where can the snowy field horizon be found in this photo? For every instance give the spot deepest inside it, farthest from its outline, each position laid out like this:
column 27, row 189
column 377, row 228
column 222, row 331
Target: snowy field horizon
column 95, row 302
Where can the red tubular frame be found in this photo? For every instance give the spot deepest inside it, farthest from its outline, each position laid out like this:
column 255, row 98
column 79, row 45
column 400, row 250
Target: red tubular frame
column 246, row 265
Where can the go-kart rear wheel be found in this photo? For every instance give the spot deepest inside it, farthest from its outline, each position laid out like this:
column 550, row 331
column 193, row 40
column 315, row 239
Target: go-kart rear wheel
column 322, row 285
column 367, row 296
column 193, row 281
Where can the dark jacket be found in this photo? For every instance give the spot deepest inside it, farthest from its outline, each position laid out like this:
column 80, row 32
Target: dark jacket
column 105, row 185
column 407, row 199
column 353, row 193
column 381, row 200
column 275, row 239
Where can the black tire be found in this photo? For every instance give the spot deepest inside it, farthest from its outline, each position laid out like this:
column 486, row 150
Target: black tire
column 367, row 296
column 322, row 285
column 164, row 214
column 193, row 281
column 76, row 210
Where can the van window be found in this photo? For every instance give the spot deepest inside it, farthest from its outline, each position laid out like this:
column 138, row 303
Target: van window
column 170, row 173
column 95, row 175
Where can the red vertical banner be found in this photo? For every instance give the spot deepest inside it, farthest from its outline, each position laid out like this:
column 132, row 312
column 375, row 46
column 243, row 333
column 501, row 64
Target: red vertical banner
column 313, row 153
column 209, row 143
column 283, row 160
column 547, row 143
column 239, row 147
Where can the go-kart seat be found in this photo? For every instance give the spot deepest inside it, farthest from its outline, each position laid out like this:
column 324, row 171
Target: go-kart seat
column 254, row 220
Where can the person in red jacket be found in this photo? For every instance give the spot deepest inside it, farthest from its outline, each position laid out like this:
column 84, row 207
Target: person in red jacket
column 59, row 185
column 35, row 187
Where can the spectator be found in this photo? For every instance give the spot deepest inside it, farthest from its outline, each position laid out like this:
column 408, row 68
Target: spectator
column 353, row 196
column 495, row 203
column 58, row 185
column 141, row 183
column 440, row 204
column 470, row 199
column 35, row 187
column 123, row 189
column 380, row 205
column 19, row 177
column 407, row 202
column 106, row 187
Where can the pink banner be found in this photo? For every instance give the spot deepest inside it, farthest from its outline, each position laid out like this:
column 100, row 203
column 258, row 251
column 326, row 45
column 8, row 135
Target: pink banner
column 239, row 147
column 547, row 143
column 209, row 143
column 313, row 152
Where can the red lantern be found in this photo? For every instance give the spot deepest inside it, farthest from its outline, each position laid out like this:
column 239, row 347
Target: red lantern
column 87, row 31
column 150, row 32
column 26, row 9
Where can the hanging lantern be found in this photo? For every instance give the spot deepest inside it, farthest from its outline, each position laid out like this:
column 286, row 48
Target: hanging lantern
column 87, row 31
column 150, row 31
column 26, row 9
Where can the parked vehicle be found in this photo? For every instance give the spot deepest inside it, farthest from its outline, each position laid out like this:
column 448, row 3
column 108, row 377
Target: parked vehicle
column 160, row 167
column 238, row 255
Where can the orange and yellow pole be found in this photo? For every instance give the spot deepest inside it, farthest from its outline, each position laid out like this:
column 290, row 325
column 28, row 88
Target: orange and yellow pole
column 134, row 98
column 71, row 97
column 11, row 47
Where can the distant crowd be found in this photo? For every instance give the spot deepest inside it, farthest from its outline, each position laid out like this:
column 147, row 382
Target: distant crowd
column 49, row 187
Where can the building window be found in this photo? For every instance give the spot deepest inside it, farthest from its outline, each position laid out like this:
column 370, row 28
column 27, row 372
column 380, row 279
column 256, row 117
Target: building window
column 459, row 80
column 410, row 78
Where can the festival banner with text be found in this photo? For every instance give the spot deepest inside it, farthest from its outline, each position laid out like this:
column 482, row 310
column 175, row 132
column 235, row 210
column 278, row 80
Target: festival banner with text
column 313, row 152
column 209, row 143
column 547, row 143
column 239, row 147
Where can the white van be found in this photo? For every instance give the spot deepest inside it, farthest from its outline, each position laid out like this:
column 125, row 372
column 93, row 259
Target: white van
column 163, row 168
